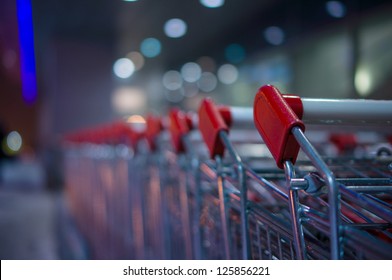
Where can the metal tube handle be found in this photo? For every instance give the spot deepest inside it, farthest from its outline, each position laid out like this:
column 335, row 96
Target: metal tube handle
column 347, row 111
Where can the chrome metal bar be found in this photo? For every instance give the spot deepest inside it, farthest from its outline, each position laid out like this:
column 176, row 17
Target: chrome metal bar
column 333, row 191
column 246, row 247
column 368, row 204
column 295, row 210
column 223, row 209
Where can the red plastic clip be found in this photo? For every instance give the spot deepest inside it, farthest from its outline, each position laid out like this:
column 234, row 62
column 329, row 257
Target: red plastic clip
column 179, row 126
column 211, row 123
column 122, row 132
column 344, row 142
column 274, row 119
column 295, row 103
column 154, row 127
column 226, row 114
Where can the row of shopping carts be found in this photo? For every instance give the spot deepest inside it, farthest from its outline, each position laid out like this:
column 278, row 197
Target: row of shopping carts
column 290, row 178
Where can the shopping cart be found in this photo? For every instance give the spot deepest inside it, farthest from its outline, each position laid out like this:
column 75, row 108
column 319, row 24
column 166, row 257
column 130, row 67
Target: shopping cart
column 205, row 186
column 287, row 215
column 97, row 189
column 343, row 205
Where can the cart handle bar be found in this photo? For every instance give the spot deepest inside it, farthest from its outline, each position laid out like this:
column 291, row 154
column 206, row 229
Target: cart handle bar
column 154, row 126
column 113, row 133
column 213, row 119
column 274, row 118
column 181, row 123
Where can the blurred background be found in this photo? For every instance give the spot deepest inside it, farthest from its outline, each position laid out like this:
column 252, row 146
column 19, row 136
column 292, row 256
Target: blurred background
column 67, row 65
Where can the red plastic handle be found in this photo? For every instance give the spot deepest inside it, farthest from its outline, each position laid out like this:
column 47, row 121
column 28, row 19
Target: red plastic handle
column 121, row 132
column 274, row 120
column 226, row 114
column 180, row 125
column 344, row 142
column 211, row 123
column 114, row 133
column 153, row 128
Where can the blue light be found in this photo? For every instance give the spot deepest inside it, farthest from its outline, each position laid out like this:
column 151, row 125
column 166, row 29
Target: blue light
column 212, row 3
column 336, row 9
column 150, row 47
column 27, row 58
column 274, row 35
column 235, row 53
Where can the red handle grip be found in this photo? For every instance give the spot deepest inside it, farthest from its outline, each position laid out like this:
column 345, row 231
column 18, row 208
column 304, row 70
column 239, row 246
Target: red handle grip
column 153, row 128
column 344, row 141
column 211, row 123
column 180, row 124
column 274, row 120
column 121, row 132
column 226, row 114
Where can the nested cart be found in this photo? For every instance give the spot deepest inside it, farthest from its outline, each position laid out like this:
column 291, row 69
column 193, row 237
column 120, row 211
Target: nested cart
column 317, row 184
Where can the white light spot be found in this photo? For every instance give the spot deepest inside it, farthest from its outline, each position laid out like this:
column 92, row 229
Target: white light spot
column 335, row 9
column 14, row 141
column 175, row 28
column 172, row 80
column 191, row 72
column 212, row 3
column 207, row 82
column 123, row 68
column 128, row 99
column 228, row 74
column 363, row 82
column 136, row 119
column 274, row 35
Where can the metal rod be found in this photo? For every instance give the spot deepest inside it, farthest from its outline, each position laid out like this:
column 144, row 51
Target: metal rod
column 327, row 111
column 295, row 209
column 246, row 252
column 242, row 117
column 349, row 111
column 223, row 208
column 185, row 215
column 370, row 205
column 333, row 191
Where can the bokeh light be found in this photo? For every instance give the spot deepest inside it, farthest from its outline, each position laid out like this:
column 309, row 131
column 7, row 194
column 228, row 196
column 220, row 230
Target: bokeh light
column 136, row 119
column 123, row 68
column 150, row 47
column 128, row 99
column 191, row 72
column 363, row 82
column 212, row 3
column 175, row 28
column 172, row 80
column 207, row 64
column 335, row 9
column 207, row 82
column 235, row 53
column 274, row 35
column 228, row 74
column 14, row 142
column 137, row 59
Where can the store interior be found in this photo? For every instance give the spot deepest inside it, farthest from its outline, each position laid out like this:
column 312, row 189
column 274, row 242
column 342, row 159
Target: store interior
column 70, row 65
